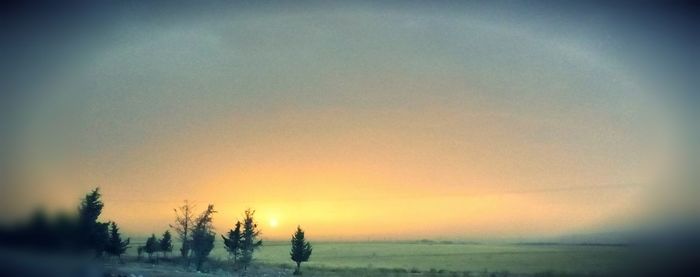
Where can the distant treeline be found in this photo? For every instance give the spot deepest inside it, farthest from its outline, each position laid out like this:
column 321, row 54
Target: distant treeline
column 80, row 232
column 577, row 244
column 427, row 241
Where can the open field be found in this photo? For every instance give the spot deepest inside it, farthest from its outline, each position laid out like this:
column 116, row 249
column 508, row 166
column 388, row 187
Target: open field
column 455, row 257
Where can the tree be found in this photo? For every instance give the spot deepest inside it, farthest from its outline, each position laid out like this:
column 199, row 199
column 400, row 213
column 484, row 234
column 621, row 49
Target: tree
column 166, row 243
column 116, row 246
column 249, row 239
column 301, row 249
column 183, row 225
column 232, row 242
column 151, row 246
column 101, row 237
column 92, row 235
column 203, row 237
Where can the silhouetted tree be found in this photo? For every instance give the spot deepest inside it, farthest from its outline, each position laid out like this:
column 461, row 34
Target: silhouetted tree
column 101, row 237
column 183, row 226
column 203, row 237
column 151, row 246
column 65, row 231
column 249, row 241
column 301, row 249
column 166, row 243
column 93, row 235
column 232, row 242
column 116, row 246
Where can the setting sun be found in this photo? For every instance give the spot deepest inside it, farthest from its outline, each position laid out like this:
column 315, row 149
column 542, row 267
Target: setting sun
column 273, row 222
column 399, row 138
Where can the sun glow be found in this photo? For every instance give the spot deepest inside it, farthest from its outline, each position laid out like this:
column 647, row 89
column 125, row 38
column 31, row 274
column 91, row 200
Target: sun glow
column 273, row 222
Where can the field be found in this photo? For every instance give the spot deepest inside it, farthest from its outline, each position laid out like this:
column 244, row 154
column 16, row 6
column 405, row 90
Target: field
column 451, row 257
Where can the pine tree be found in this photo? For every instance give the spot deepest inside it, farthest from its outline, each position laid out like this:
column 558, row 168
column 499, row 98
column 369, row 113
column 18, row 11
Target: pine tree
column 116, row 246
column 301, row 249
column 249, row 241
column 183, row 227
column 232, row 243
column 166, row 243
column 92, row 235
column 203, row 237
column 101, row 237
column 151, row 246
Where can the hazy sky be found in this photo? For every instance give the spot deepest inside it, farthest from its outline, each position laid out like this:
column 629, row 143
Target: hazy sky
column 356, row 121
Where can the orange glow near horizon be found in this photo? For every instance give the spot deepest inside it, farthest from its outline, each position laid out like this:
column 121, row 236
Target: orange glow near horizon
column 360, row 183
column 357, row 125
column 336, row 206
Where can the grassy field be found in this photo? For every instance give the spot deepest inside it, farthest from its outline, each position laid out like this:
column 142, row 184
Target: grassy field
column 577, row 259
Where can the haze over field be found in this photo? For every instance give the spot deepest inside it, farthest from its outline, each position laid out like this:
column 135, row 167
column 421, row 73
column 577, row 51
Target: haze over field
column 356, row 121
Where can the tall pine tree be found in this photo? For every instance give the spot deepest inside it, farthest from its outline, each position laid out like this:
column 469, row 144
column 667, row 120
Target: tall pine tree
column 92, row 235
column 116, row 246
column 232, row 242
column 151, row 246
column 203, row 237
column 249, row 239
column 301, row 249
column 166, row 243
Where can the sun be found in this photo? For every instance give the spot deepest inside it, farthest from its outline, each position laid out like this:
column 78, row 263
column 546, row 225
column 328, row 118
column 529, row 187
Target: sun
column 273, row 222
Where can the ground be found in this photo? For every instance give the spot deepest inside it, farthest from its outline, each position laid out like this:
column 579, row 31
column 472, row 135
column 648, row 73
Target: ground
column 413, row 258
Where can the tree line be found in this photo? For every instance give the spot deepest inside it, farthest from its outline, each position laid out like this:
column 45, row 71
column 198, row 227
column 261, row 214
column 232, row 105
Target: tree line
column 155, row 245
column 79, row 232
column 82, row 232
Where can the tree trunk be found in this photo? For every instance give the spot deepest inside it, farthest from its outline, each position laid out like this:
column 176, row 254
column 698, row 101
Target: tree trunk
column 298, row 270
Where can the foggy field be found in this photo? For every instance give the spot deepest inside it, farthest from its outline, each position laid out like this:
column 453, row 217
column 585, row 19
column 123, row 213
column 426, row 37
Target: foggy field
column 340, row 138
column 455, row 257
column 576, row 259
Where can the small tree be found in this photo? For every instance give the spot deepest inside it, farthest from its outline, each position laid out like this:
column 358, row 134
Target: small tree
column 203, row 237
column 301, row 249
column 151, row 246
column 232, row 242
column 183, row 227
column 116, row 246
column 249, row 238
column 166, row 243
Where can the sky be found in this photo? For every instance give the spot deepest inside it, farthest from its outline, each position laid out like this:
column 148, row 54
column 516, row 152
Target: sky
column 355, row 120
